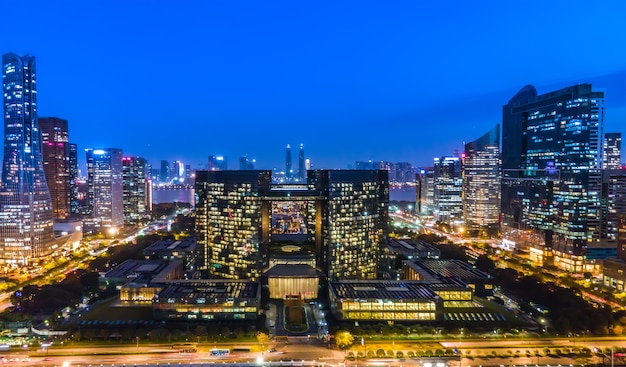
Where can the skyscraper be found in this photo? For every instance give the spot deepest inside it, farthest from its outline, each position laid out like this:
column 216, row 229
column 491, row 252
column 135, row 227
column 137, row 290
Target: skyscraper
column 134, row 188
column 612, row 158
column 301, row 164
column 245, row 163
column 288, row 167
column 217, row 163
column 25, row 206
column 551, row 160
column 340, row 216
column 448, row 191
column 164, row 176
column 105, row 198
column 56, row 163
column 74, row 193
column 481, row 182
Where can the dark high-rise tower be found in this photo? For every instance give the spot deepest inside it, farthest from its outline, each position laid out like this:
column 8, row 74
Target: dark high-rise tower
column 25, row 205
column 56, row 163
column 288, row 167
column 134, row 189
column 551, row 160
column 74, row 195
column 301, row 164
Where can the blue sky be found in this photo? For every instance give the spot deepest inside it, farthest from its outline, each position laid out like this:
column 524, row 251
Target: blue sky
column 351, row 80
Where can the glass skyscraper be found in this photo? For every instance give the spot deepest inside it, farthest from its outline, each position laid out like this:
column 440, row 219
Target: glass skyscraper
column 551, row 161
column 105, row 197
column 481, row 181
column 340, row 216
column 134, row 188
column 25, row 206
column 448, row 191
column 56, row 163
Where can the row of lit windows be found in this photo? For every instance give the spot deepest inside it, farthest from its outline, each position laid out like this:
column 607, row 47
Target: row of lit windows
column 389, row 306
column 425, row 316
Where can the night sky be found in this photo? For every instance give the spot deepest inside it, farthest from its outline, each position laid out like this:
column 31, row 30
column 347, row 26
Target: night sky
column 351, row 80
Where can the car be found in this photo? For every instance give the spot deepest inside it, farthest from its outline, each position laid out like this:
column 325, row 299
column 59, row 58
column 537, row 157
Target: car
column 271, row 350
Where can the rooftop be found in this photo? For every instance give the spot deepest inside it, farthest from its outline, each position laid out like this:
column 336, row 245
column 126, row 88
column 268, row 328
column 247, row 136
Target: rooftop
column 210, row 289
column 381, row 289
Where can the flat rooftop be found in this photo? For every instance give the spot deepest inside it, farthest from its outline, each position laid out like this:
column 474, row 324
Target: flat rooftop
column 451, row 269
column 381, row 289
column 186, row 244
column 136, row 268
column 210, row 289
column 406, row 245
column 293, row 271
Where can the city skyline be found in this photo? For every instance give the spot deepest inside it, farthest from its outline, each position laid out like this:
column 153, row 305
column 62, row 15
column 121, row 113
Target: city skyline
column 200, row 79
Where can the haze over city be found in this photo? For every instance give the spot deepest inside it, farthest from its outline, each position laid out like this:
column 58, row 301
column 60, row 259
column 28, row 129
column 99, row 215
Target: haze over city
column 351, row 81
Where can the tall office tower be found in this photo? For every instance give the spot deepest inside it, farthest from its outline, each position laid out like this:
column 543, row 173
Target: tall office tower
column 164, row 176
column 353, row 221
column 481, row 182
column 621, row 236
column 134, row 188
column 105, row 197
column 365, row 165
column 551, row 160
column 25, row 205
column 56, row 163
column 288, row 167
column 228, row 222
column 301, row 164
column 613, row 201
column 448, row 191
column 427, row 191
column 178, row 172
column 612, row 158
column 341, row 217
column 189, row 175
column 74, row 194
column 307, row 164
column 217, row 163
column 404, row 172
column 245, row 163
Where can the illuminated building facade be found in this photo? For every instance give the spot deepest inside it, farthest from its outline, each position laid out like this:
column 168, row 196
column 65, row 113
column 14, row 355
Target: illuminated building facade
column 425, row 200
column 288, row 165
column 134, row 188
column 164, row 174
column 614, row 201
column 26, row 214
column 448, row 190
column 74, row 192
column 552, row 143
column 481, row 181
column 56, row 164
column 342, row 216
column 105, row 196
column 404, row 173
column 384, row 300
column 612, row 151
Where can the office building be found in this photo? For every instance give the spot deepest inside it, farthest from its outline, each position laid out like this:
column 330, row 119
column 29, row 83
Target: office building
column 105, row 197
column 288, row 165
column 551, row 161
column 246, row 164
column 217, row 163
column 56, row 164
column 164, row 174
column 301, row 164
column 134, row 188
column 74, row 176
column 26, row 214
column 338, row 217
column 613, row 202
column 481, row 182
column 425, row 192
column 448, row 191
column 612, row 158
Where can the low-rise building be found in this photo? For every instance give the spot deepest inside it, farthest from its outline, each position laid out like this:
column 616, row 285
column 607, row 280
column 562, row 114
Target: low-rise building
column 439, row 270
column 211, row 299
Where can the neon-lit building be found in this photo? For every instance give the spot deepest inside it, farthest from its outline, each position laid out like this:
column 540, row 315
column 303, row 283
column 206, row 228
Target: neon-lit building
column 26, row 211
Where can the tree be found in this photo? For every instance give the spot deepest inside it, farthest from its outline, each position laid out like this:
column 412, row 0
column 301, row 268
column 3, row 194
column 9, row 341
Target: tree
column 484, row 263
column 262, row 338
column 344, row 339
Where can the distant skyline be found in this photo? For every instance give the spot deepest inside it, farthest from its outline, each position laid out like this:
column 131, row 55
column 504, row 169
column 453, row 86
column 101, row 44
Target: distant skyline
column 350, row 80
